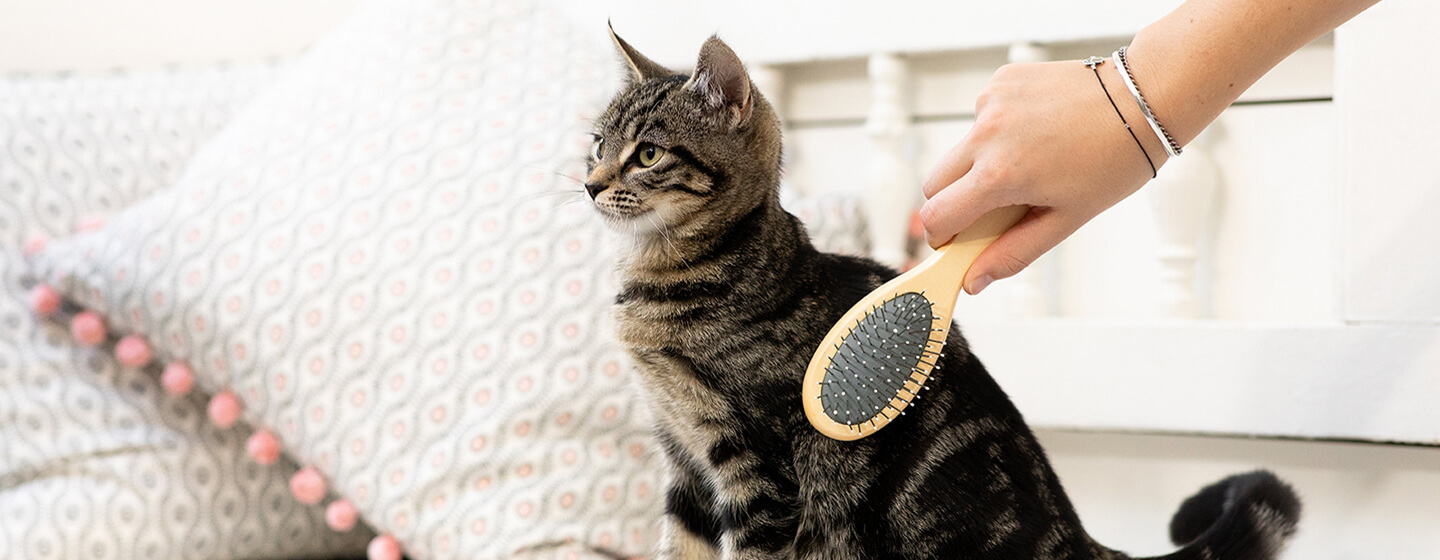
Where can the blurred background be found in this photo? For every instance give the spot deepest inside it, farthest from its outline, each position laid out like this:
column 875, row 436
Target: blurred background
column 1272, row 300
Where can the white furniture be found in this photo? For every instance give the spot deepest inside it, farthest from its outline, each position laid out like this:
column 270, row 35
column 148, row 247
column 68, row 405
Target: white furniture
column 1267, row 283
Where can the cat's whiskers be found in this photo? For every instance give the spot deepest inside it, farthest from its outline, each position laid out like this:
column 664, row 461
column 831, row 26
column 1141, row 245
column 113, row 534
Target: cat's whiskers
column 555, row 172
column 631, row 237
column 561, row 192
column 563, row 201
column 665, row 234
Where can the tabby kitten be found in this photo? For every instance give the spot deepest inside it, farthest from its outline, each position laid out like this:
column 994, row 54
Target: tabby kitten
column 722, row 302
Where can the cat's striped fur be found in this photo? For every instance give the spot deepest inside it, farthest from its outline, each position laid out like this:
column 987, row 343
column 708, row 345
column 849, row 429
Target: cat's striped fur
column 723, row 300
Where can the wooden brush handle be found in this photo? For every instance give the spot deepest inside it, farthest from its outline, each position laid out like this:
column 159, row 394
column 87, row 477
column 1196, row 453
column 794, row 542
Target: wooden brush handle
column 953, row 259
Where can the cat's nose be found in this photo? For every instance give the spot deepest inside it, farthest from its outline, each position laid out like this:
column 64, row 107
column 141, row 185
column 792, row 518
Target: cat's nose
column 594, row 189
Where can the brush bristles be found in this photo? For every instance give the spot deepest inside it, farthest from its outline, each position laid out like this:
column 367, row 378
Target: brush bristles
column 876, row 368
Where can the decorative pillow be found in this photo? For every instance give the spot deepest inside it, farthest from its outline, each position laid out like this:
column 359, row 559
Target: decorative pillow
column 96, row 461
column 77, row 148
column 378, row 259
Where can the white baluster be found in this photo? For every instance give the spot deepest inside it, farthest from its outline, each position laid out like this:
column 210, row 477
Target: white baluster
column 1183, row 201
column 895, row 187
column 771, row 82
column 1028, row 294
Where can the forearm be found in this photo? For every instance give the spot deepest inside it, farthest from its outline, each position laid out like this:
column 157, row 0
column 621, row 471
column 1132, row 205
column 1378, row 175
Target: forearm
column 1196, row 61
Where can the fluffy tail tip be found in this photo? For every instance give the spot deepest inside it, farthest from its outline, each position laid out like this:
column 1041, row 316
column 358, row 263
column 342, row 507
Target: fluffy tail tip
column 1250, row 514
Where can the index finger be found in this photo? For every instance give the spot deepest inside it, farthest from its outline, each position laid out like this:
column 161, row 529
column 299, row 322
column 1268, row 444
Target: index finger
column 956, row 162
column 954, row 208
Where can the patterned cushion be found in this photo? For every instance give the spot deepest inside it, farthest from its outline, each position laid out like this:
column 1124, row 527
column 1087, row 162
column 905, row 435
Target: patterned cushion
column 85, row 146
column 96, row 461
column 380, row 258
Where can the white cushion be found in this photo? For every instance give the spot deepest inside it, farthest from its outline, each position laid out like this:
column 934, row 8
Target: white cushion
column 378, row 257
column 96, row 462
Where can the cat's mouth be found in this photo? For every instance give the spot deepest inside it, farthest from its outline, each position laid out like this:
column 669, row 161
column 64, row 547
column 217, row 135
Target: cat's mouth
column 623, row 212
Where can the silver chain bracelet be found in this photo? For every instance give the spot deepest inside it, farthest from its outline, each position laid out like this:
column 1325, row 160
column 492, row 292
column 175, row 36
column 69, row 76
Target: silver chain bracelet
column 1171, row 146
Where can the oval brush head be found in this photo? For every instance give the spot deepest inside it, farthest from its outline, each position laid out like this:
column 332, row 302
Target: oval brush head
column 875, row 361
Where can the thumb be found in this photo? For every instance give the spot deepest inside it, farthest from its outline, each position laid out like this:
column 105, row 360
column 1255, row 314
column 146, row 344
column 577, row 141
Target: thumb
column 1039, row 231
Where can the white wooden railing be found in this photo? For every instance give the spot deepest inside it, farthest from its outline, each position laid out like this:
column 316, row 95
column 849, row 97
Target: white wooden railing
column 1216, row 300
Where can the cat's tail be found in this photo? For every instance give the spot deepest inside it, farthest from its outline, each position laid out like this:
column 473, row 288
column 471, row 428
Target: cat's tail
column 1243, row 517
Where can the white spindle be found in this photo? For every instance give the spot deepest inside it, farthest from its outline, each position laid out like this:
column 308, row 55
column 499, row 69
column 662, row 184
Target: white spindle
column 895, row 186
column 1183, row 201
column 1027, row 290
column 771, row 82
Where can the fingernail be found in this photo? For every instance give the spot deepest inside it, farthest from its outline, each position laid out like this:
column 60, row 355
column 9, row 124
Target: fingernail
column 978, row 284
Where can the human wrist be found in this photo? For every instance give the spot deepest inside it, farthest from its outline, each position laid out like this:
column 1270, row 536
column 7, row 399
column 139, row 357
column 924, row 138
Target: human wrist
column 1167, row 141
column 1131, row 114
column 1159, row 73
column 1094, row 63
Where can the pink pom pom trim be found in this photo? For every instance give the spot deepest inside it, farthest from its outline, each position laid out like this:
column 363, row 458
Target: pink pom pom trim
column 133, row 351
column 44, row 300
column 308, row 486
column 383, row 547
column 87, row 328
column 263, row 448
column 90, row 222
column 224, row 409
column 340, row 515
column 35, row 244
column 177, row 379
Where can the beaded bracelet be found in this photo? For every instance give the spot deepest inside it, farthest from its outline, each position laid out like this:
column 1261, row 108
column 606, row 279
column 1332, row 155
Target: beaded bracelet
column 1172, row 148
column 1094, row 63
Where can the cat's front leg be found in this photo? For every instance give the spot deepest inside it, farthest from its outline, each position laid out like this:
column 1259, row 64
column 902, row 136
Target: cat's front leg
column 689, row 529
column 758, row 513
column 679, row 543
column 731, row 550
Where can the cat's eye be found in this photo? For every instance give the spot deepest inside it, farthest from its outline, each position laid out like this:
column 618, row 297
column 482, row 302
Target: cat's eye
column 647, row 154
column 597, row 149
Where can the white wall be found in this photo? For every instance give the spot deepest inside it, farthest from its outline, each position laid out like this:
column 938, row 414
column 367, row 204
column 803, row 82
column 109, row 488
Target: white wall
column 1388, row 88
column 100, row 35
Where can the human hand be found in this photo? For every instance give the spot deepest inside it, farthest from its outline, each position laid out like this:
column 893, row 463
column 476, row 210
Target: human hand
column 1044, row 136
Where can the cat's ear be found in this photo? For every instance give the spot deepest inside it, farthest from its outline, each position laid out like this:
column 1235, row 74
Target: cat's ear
column 721, row 81
column 641, row 68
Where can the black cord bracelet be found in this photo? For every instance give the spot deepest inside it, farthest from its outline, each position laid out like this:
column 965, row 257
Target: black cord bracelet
column 1094, row 63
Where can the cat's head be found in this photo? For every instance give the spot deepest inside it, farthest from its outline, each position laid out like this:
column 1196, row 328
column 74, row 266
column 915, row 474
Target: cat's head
column 684, row 156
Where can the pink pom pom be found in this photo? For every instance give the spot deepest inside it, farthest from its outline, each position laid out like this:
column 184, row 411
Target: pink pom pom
column 177, row 379
column 307, row 486
column 263, row 447
column 133, row 351
column 44, row 300
column 383, row 547
column 35, row 244
column 340, row 515
column 91, row 222
column 87, row 328
column 224, row 409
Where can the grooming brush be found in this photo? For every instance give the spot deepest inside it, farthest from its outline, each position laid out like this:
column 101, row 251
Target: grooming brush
column 875, row 361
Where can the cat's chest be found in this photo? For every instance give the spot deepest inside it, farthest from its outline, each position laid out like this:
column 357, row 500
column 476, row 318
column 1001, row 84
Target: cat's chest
column 686, row 396
column 690, row 409
column 650, row 326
